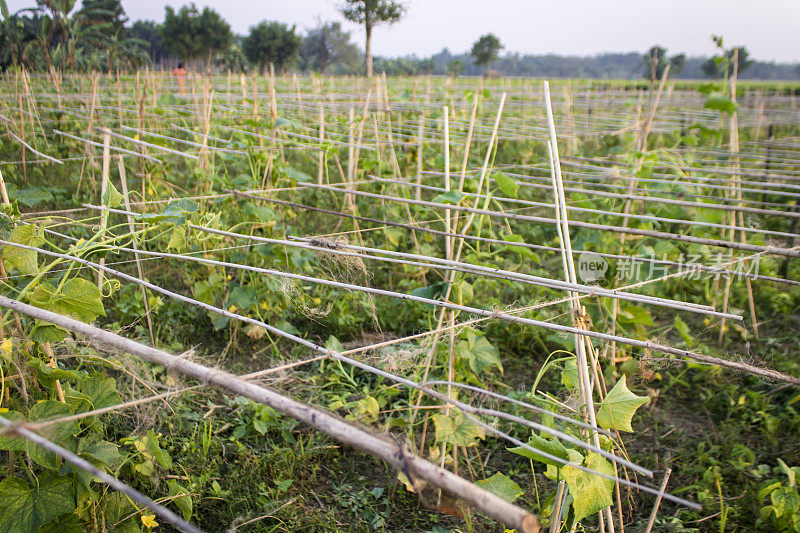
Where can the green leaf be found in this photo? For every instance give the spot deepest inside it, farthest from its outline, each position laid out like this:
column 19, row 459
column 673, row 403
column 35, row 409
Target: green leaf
column 78, row 298
column 432, row 292
column 791, row 473
column 260, row 426
column 457, row 429
column 101, row 452
column 296, row 175
column 508, row 185
column 260, row 212
column 521, row 250
column 31, row 196
column 182, row 500
column 634, row 314
column 463, row 292
column 590, row 492
column 57, row 433
column 785, row 501
column 617, row 409
column 118, row 510
column 156, row 451
column 67, row 523
column 176, row 212
column 707, row 88
column 24, row 260
column 478, row 352
column 547, row 444
column 27, row 508
column 569, row 376
column 333, row 344
column 12, row 443
column 243, row 297
column 451, row 197
column 722, row 103
column 682, row 328
column 112, row 197
column 393, row 236
column 503, row 486
column 102, row 391
column 177, row 241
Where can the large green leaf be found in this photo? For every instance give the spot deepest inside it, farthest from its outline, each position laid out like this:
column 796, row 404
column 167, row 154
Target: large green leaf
column 462, row 292
column 569, row 376
column 26, row 508
column 78, row 298
column 508, row 185
column 260, row 212
column 176, row 212
column 112, row 197
column 457, row 429
column 590, row 493
column 547, row 444
column 24, row 260
column 177, row 241
column 31, row 196
column 243, row 297
column 722, row 103
column 182, row 498
column 617, row 409
column 296, row 175
column 56, row 433
column 502, row 486
column 478, row 352
column 450, row 197
column 100, row 452
column 101, row 390
column 521, row 250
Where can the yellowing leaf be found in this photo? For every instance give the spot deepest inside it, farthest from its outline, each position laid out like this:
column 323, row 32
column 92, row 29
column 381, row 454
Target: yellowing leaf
column 590, row 493
column 255, row 332
column 149, row 521
column 456, row 429
column 24, row 260
column 617, row 409
column 546, row 444
column 177, row 241
column 502, row 486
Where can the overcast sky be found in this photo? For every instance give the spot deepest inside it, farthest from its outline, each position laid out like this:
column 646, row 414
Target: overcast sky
column 769, row 28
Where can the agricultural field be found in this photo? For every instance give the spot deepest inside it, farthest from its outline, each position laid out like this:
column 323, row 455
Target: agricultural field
column 306, row 303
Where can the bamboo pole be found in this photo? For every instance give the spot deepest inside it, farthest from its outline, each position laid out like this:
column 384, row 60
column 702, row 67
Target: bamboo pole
column 103, row 190
column 139, row 267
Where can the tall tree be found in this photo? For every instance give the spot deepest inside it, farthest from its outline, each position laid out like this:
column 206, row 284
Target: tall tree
column 656, row 61
column 271, row 42
column 192, row 34
column 485, row 50
column 370, row 13
column 106, row 13
column 15, row 32
column 455, row 67
column 722, row 65
column 150, row 32
column 326, row 45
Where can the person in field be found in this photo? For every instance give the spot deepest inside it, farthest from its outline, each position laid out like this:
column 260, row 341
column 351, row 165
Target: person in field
column 180, row 73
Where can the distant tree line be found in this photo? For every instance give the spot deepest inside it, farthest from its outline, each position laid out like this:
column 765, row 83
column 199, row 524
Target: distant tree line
column 98, row 36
